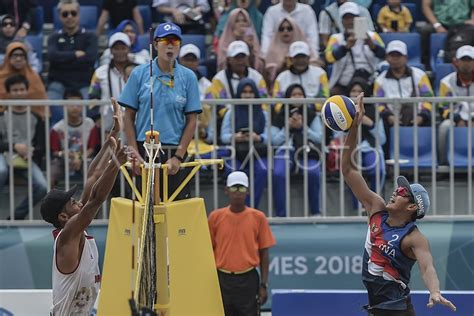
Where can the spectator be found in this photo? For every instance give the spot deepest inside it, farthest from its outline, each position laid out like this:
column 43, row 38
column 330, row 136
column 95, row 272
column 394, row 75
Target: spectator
column 225, row 82
column 185, row 13
column 72, row 53
column 276, row 59
column 455, row 16
column 243, row 136
column 250, row 6
column 239, row 27
column 402, row 81
column 189, row 57
column 352, row 57
column 394, row 17
column 23, row 146
column 115, row 11
column 457, row 84
column 23, row 11
column 7, row 35
column 241, row 238
column 137, row 54
column 77, row 128
column 301, row 13
column 108, row 80
column 16, row 63
column 371, row 151
column 313, row 79
column 294, row 117
column 127, row 71
column 443, row 15
column 330, row 21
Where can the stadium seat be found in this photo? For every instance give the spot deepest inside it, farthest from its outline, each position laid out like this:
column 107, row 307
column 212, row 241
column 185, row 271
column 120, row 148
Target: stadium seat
column 198, row 40
column 460, row 147
column 145, row 12
column 411, row 39
column 441, row 71
column 406, row 142
column 39, row 20
column 144, row 41
column 436, row 44
column 89, row 16
column 203, row 70
column 36, row 42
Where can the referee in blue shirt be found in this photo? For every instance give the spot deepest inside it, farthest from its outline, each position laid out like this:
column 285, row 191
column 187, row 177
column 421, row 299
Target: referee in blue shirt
column 176, row 103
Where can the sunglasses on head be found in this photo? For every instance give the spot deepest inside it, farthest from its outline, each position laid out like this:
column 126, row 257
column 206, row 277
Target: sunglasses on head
column 4, row 24
column 65, row 14
column 169, row 40
column 240, row 189
column 285, row 28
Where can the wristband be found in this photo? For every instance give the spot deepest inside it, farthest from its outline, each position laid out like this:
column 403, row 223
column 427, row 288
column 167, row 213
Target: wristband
column 436, row 25
column 264, row 285
column 181, row 159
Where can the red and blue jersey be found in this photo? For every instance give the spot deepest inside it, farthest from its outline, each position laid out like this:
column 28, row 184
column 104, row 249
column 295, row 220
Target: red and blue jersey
column 386, row 269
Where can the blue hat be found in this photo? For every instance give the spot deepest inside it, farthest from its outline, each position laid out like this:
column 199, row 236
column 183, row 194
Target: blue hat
column 168, row 28
column 419, row 195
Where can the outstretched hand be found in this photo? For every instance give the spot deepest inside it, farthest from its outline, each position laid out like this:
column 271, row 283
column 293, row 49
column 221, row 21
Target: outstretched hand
column 118, row 119
column 437, row 298
column 360, row 111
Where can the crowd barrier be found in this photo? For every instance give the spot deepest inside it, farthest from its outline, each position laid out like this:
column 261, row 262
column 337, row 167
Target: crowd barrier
column 415, row 153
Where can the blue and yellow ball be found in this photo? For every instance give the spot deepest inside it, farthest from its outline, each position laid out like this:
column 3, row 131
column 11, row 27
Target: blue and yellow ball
column 338, row 113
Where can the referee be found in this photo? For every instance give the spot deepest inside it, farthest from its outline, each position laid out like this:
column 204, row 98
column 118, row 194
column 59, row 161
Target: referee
column 175, row 103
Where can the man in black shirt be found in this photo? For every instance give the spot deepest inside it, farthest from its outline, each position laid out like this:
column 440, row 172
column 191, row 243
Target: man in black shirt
column 115, row 11
column 72, row 53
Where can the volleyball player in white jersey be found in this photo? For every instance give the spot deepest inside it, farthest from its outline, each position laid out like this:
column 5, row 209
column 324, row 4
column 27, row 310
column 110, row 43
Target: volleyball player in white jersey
column 76, row 274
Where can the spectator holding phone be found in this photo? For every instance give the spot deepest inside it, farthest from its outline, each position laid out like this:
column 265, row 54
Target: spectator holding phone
column 394, row 17
column 297, row 145
column 249, row 140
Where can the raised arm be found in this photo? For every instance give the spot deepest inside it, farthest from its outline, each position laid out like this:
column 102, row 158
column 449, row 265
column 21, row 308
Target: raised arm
column 371, row 201
column 99, row 193
column 421, row 249
column 103, row 156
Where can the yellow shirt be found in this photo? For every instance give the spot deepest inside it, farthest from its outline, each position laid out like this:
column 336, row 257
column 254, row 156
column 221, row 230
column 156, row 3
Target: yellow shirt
column 403, row 19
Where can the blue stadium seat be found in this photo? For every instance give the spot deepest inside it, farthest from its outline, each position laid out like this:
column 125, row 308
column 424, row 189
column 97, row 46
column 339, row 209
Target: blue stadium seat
column 145, row 12
column 437, row 41
column 406, row 147
column 461, row 147
column 39, row 20
column 198, row 40
column 441, row 71
column 144, row 41
column 36, row 42
column 89, row 16
column 411, row 39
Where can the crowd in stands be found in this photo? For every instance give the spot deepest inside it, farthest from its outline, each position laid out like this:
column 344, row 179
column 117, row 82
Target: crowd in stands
column 238, row 49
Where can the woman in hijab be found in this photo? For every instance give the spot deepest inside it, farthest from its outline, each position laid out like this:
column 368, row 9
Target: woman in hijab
column 255, row 16
column 137, row 55
column 276, row 59
column 16, row 62
column 239, row 27
column 247, row 89
column 296, row 130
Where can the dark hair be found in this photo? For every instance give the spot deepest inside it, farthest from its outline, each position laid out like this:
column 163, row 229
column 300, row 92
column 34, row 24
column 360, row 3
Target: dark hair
column 70, row 93
column 292, row 87
column 15, row 79
column 364, row 83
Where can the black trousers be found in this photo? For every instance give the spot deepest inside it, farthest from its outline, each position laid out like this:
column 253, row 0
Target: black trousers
column 174, row 181
column 410, row 311
column 239, row 293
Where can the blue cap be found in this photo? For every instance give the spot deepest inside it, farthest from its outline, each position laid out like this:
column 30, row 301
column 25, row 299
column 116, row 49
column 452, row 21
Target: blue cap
column 168, row 28
column 419, row 195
